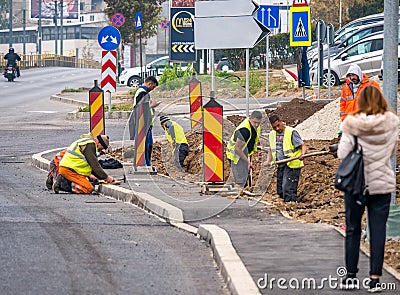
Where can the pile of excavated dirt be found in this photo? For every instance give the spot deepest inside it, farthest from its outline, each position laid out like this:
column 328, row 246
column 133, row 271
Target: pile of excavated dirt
column 318, row 200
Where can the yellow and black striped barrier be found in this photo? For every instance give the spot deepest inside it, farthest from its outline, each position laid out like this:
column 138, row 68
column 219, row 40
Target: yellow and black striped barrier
column 195, row 101
column 213, row 159
column 96, row 110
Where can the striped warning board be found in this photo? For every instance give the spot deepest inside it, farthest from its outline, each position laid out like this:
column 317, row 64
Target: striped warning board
column 96, row 110
column 140, row 137
column 195, row 101
column 213, row 159
column 109, row 70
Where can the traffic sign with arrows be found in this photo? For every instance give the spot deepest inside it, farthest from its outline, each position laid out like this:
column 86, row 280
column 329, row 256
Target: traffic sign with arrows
column 227, row 24
column 269, row 16
column 109, row 38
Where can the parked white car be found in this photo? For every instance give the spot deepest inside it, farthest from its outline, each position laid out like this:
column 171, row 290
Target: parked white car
column 366, row 53
column 133, row 77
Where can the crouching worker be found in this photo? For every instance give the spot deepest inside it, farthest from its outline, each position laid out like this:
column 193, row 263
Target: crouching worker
column 176, row 137
column 80, row 164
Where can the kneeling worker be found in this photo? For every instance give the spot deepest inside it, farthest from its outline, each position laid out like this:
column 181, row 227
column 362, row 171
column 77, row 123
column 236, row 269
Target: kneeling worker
column 176, row 137
column 80, row 164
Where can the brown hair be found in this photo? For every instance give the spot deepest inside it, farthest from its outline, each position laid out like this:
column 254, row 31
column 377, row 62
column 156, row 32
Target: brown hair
column 371, row 101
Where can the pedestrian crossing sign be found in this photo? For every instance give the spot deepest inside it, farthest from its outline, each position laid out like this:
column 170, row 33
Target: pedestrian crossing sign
column 300, row 26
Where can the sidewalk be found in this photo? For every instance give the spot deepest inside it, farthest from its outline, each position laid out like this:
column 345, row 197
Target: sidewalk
column 258, row 250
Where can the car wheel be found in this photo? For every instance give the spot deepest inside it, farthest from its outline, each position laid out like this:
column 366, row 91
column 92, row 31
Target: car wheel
column 134, row 81
column 334, row 79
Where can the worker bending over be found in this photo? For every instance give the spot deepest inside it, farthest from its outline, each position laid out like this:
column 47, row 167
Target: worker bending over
column 80, row 164
column 176, row 137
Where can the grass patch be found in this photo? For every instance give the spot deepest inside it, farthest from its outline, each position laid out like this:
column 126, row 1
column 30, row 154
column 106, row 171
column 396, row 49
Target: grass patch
column 114, row 107
column 69, row 90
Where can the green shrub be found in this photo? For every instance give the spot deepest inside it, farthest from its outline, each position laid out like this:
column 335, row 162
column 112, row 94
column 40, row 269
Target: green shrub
column 171, row 78
column 114, row 107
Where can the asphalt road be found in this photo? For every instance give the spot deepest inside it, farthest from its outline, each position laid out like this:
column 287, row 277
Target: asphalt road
column 70, row 244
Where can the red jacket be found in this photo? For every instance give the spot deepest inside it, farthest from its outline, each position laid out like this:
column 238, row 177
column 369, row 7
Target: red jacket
column 348, row 100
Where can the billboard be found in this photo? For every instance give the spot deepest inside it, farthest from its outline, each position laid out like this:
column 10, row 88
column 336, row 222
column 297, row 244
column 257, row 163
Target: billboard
column 70, row 9
column 182, row 3
column 182, row 34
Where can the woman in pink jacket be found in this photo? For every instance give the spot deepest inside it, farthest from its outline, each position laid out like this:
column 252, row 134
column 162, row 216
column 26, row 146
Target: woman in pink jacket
column 377, row 130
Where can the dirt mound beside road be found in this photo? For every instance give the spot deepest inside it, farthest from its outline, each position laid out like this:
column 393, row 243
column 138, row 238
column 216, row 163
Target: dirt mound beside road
column 318, row 202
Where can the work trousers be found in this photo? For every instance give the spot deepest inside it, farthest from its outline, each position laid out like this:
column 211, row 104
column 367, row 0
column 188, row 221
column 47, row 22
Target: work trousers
column 287, row 181
column 378, row 211
column 80, row 184
column 180, row 154
column 240, row 172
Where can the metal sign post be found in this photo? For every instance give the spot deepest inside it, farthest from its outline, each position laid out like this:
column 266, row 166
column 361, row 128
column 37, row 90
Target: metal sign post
column 330, row 35
column 269, row 17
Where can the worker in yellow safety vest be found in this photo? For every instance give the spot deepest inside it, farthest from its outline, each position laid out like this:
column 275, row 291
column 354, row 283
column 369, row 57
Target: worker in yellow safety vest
column 285, row 142
column 80, row 165
column 242, row 145
column 176, row 137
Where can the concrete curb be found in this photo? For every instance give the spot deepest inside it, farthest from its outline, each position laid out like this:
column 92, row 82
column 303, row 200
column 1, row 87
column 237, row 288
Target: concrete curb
column 86, row 115
column 232, row 268
column 68, row 100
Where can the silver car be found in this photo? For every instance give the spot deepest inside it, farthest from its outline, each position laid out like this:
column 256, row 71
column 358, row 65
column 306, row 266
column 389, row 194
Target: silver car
column 366, row 53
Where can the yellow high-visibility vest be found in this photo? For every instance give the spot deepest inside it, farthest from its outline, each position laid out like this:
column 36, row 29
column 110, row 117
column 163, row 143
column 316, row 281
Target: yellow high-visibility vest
column 289, row 150
column 75, row 160
column 230, row 149
column 179, row 134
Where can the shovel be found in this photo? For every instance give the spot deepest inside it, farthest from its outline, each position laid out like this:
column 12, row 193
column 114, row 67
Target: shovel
column 304, row 156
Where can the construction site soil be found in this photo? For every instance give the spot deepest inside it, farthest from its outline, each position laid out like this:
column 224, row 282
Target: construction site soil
column 318, row 200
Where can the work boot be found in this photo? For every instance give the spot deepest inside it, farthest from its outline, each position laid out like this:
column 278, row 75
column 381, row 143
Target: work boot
column 57, row 184
column 49, row 182
column 62, row 184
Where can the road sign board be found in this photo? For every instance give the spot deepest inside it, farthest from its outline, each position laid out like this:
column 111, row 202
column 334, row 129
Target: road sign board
column 182, row 34
column 109, row 38
column 298, row 3
column 269, row 16
column 225, row 8
column 138, row 21
column 224, row 32
column 165, row 24
column 227, row 24
column 118, row 19
column 109, row 70
column 300, row 26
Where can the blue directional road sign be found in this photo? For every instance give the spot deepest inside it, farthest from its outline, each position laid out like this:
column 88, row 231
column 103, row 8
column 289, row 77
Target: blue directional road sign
column 300, row 26
column 269, row 16
column 109, row 38
column 138, row 21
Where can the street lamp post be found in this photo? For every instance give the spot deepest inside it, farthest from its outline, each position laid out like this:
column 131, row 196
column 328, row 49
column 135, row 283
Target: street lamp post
column 62, row 28
column 55, row 28
column 40, row 29
column 10, row 24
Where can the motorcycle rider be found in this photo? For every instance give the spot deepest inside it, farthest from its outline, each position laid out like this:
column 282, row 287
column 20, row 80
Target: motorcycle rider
column 12, row 59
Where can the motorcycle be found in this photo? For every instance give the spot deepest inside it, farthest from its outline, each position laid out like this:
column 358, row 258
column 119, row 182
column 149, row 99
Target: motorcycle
column 10, row 73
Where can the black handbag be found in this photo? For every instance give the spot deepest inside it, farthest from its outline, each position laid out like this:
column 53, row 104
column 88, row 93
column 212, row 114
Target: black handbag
column 350, row 174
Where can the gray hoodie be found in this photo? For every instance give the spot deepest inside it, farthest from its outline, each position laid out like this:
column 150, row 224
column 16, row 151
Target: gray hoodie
column 378, row 135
